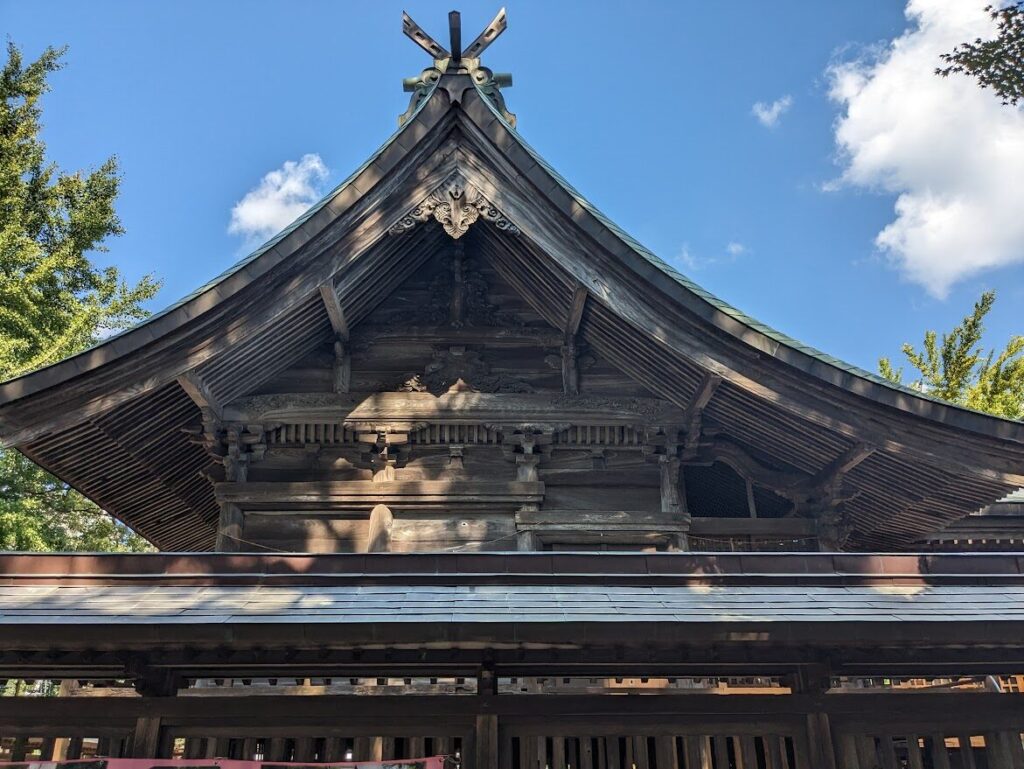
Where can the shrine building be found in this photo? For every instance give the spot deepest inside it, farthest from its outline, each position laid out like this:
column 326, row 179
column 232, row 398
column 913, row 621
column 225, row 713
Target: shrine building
column 454, row 466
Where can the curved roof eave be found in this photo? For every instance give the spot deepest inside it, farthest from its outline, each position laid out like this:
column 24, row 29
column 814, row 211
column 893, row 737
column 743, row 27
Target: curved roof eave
column 770, row 341
column 196, row 302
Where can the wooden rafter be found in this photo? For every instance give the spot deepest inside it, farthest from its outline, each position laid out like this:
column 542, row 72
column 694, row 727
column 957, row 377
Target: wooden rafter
column 693, row 417
column 334, row 310
column 342, row 357
column 579, row 302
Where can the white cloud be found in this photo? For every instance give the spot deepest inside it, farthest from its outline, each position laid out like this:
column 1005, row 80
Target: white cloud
column 950, row 151
column 687, row 258
column 768, row 114
column 695, row 262
column 280, row 198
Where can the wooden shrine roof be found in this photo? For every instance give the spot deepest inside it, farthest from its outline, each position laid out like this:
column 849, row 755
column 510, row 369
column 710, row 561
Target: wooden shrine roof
column 521, row 598
column 518, row 604
column 110, row 420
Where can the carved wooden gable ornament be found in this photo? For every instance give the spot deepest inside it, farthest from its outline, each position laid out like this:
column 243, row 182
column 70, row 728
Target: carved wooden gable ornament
column 455, row 205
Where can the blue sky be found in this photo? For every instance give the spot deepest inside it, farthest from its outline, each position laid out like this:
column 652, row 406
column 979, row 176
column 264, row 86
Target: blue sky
column 647, row 108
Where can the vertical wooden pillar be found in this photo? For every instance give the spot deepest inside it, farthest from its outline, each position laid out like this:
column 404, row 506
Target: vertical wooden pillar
column 230, row 528
column 820, row 743
column 146, row 737
column 378, row 538
column 276, row 750
column 74, row 748
column 940, row 754
column 526, row 541
column 673, row 496
column 60, row 749
column 19, row 748
column 342, row 366
column 46, row 749
column 485, row 753
column 249, row 749
column 416, row 748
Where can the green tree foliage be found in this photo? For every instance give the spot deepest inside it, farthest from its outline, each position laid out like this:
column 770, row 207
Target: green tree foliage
column 999, row 63
column 957, row 368
column 54, row 301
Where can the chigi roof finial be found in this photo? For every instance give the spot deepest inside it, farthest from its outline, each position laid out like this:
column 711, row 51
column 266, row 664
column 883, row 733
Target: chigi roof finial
column 456, row 60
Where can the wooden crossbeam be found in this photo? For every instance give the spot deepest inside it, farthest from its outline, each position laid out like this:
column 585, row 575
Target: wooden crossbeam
column 334, row 310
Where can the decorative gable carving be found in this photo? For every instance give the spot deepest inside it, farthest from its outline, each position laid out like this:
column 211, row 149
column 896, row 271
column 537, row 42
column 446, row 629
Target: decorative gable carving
column 456, row 205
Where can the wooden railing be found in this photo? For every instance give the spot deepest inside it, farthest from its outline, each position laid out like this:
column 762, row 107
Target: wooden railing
column 891, row 730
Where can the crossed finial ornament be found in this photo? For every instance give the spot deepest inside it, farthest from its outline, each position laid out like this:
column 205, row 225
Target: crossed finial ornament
column 456, row 60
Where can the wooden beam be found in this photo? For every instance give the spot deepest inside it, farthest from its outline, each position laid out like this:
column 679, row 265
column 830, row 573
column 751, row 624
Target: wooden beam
column 579, row 302
column 570, row 350
column 491, row 336
column 334, row 310
column 781, row 528
column 693, row 416
column 313, row 497
column 843, row 464
column 749, row 468
column 705, row 392
column 200, row 393
column 366, row 411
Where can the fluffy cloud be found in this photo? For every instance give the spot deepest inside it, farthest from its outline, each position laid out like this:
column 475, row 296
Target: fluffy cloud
column 950, row 151
column 768, row 114
column 735, row 249
column 279, row 199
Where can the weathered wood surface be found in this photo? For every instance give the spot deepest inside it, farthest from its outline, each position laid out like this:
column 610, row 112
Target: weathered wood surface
column 363, row 495
column 598, row 520
column 509, row 409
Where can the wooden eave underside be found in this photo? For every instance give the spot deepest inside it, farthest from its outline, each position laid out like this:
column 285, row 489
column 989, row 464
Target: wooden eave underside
column 110, row 421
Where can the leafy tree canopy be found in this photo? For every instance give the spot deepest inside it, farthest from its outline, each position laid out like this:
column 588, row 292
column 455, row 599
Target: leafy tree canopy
column 54, row 301
column 999, row 63
column 958, row 369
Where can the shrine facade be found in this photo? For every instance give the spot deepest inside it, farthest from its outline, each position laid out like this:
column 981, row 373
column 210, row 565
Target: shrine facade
column 454, row 466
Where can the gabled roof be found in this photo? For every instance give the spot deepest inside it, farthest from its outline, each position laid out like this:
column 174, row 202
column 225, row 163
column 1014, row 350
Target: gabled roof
column 109, row 420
